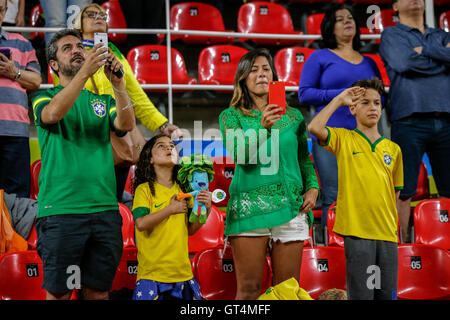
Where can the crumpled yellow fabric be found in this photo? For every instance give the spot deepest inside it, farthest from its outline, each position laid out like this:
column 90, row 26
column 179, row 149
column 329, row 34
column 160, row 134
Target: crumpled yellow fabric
column 286, row 290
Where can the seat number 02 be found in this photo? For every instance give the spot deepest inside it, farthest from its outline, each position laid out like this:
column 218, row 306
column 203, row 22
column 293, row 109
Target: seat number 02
column 132, row 267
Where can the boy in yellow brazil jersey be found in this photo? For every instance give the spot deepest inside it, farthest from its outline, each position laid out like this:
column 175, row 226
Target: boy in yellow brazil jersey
column 370, row 177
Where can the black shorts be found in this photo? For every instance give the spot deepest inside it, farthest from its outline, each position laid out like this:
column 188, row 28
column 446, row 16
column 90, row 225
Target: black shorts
column 89, row 245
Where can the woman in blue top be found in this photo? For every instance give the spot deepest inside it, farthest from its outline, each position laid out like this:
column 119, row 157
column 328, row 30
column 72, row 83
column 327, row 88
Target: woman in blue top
column 327, row 73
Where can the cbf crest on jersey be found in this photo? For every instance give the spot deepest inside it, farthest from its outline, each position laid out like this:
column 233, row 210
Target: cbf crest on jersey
column 387, row 159
column 99, row 107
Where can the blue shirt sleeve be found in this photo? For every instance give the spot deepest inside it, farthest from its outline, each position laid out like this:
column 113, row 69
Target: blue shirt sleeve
column 437, row 50
column 399, row 55
column 309, row 89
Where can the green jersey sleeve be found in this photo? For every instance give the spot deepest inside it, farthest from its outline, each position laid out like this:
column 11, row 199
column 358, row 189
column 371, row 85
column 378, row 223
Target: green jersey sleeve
column 40, row 99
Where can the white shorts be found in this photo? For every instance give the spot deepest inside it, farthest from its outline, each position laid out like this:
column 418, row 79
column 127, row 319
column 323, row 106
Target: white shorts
column 295, row 230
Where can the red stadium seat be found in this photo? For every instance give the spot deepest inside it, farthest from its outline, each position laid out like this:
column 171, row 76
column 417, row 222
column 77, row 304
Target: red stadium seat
column 314, row 1
column 216, row 276
column 210, row 235
column 317, row 213
column 50, row 75
column 21, row 276
column 127, row 271
column 217, row 64
column 127, row 226
column 116, row 20
column 444, row 21
column 37, row 20
column 266, row 17
column 441, row 2
column 223, row 174
column 423, row 186
column 373, row 1
column 130, row 179
column 289, row 63
column 32, row 238
column 35, row 170
column 431, row 223
column 322, row 268
column 383, row 19
column 313, row 23
column 333, row 238
column 149, row 65
column 380, row 65
column 423, row 272
column 197, row 16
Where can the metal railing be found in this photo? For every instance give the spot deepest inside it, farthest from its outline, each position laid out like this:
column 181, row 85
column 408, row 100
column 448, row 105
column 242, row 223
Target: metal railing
column 168, row 32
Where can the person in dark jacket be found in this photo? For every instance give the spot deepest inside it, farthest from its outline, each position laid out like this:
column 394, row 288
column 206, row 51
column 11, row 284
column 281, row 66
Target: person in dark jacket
column 417, row 60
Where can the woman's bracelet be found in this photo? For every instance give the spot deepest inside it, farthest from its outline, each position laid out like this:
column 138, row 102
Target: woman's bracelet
column 128, row 106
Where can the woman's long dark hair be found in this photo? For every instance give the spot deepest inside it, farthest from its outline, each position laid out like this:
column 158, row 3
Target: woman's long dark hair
column 145, row 171
column 327, row 27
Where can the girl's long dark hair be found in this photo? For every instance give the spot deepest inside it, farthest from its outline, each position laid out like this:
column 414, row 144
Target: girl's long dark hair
column 145, row 171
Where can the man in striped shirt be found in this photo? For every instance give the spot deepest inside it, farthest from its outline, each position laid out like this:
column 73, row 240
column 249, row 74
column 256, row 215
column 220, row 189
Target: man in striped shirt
column 19, row 72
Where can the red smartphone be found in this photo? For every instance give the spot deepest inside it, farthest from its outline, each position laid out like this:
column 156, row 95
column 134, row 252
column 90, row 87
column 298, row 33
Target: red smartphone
column 6, row 52
column 277, row 95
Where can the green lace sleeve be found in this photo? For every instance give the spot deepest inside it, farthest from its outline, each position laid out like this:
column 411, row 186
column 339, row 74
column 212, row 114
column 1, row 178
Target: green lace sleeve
column 306, row 165
column 243, row 146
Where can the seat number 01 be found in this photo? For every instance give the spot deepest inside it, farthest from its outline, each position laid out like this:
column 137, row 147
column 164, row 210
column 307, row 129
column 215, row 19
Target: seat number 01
column 32, row 270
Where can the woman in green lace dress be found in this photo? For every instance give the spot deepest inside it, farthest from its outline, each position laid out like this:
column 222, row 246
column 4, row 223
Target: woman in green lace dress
column 274, row 187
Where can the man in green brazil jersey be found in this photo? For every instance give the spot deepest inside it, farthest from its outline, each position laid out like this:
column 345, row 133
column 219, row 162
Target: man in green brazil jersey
column 78, row 221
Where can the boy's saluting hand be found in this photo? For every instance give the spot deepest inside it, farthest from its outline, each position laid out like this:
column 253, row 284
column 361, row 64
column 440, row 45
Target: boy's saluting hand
column 350, row 96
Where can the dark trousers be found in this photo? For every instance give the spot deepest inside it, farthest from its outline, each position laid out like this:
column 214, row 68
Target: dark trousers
column 121, row 180
column 15, row 169
column 372, row 269
column 416, row 135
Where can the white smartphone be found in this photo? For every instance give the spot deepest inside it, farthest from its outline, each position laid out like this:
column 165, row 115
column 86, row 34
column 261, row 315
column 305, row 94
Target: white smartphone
column 102, row 38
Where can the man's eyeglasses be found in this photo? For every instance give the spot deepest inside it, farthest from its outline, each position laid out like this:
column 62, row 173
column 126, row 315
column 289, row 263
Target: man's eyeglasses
column 93, row 15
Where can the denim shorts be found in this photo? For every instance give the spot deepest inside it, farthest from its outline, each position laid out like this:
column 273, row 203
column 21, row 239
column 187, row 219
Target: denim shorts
column 416, row 135
column 91, row 243
column 295, row 230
